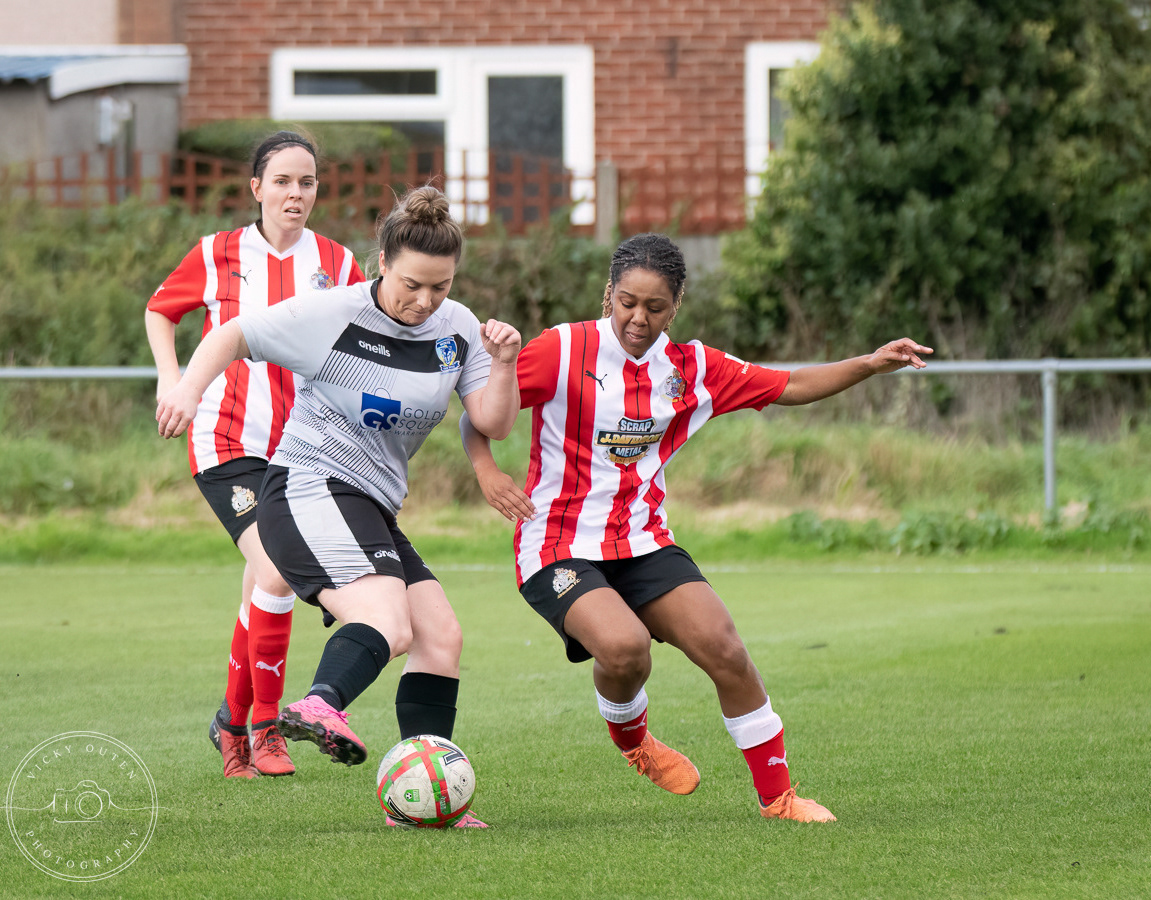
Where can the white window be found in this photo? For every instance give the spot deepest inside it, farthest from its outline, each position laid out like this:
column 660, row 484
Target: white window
column 454, row 92
column 764, row 112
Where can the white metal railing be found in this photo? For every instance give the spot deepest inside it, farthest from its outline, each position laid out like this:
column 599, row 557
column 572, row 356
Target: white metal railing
column 77, row 373
column 1048, row 369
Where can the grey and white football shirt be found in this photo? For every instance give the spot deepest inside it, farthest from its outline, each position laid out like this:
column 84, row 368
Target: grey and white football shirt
column 373, row 389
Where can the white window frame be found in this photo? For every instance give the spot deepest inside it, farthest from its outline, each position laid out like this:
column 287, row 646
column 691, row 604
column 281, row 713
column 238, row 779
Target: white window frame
column 760, row 57
column 460, row 102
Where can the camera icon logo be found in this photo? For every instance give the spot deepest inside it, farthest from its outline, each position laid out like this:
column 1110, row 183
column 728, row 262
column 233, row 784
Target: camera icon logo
column 84, row 803
column 61, row 813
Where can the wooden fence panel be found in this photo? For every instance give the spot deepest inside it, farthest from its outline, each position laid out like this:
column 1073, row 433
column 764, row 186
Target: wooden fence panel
column 690, row 196
column 203, row 182
column 77, row 182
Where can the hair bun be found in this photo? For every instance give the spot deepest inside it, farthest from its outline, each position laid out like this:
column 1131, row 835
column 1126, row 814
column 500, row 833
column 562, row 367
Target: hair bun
column 421, row 221
column 428, row 204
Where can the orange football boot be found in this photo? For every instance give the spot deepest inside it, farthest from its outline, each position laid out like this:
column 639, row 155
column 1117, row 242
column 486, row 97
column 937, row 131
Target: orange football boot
column 789, row 806
column 667, row 768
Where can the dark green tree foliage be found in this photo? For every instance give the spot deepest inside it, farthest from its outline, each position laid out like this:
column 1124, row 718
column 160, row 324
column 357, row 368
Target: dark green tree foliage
column 973, row 173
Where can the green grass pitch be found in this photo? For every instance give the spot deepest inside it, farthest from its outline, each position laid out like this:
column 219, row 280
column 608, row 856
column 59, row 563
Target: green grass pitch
column 979, row 730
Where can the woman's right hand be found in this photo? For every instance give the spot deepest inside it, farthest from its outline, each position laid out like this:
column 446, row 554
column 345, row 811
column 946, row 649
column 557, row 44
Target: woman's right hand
column 176, row 410
column 219, row 349
column 501, row 340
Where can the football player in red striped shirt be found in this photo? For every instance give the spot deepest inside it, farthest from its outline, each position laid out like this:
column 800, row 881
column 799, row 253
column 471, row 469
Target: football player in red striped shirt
column 240, row 420
column 612, row 402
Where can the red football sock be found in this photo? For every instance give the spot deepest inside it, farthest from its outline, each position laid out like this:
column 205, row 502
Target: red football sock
column 630, row 732
column 238, row 694
column 628, row 735
column 269, row 635
column 768, row 764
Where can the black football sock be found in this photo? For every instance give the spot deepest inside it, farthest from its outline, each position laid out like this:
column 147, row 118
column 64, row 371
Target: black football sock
column 353, row 658
column 426, row 704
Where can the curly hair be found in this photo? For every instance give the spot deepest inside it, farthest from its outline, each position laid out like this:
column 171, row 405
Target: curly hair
column 655, row 253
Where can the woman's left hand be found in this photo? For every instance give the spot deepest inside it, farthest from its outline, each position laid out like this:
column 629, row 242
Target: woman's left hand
column 504, row 495
column 501, row 340
column 896, row 355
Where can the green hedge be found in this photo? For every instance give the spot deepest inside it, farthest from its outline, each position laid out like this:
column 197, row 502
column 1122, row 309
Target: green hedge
column 238, row 138
column 73, row 284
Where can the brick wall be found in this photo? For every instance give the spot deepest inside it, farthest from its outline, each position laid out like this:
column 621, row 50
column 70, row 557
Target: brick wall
column 147, row 21
column 668, row 80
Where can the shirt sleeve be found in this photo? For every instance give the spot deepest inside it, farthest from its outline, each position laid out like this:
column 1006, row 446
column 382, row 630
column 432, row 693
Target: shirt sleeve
column 353, row 275
column 296, row 334
column 183, row 290
column 537, row 369
column 735, row 384
column 478, row 365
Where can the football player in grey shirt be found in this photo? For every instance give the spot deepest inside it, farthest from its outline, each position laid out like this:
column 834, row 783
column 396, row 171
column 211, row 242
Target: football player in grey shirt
column 378, row 362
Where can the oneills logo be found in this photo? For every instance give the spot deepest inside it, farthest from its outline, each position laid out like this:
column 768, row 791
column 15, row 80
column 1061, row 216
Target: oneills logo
column 630, row 442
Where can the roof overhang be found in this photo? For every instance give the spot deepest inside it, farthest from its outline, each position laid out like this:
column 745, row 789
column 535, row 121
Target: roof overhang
column 75, row 69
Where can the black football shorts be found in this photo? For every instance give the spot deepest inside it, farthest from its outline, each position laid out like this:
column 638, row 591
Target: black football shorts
column 553, row 589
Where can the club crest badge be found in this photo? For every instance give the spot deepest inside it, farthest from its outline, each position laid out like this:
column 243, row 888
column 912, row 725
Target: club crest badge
column 243, row 499
column 674, row 386
column 322, row 281
column 563, row 581
column 447, row 352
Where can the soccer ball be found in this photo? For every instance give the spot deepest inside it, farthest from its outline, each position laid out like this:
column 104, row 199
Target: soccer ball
column 425, row 782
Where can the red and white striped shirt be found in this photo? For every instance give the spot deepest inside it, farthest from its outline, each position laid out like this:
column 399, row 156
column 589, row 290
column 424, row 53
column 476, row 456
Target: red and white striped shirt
column 604, row 426
column 244, row 410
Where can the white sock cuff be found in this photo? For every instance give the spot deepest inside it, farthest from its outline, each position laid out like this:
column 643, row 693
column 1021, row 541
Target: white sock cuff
column 757, row 727
column 272, row 604
column 622, row 712
column 243, row 617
